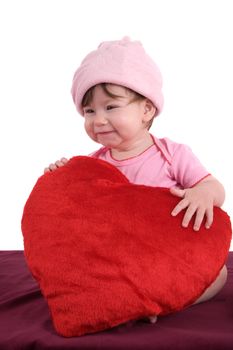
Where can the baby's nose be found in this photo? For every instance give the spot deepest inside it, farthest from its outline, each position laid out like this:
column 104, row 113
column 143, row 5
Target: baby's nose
column 100, row 119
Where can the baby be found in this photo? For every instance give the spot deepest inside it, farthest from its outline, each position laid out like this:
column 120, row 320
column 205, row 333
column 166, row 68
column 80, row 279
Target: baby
column 118, row 91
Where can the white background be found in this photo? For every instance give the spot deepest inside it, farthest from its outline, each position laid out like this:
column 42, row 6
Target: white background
column 43, row 42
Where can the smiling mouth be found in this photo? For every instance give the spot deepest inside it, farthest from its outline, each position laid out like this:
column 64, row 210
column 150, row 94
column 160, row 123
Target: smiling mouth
column 105, row 132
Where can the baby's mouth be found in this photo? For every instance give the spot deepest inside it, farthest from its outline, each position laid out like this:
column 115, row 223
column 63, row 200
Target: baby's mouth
column 105, row 132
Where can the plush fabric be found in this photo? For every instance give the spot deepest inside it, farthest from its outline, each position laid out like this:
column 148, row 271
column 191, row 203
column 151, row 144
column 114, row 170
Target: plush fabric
column 122, row 62
column 105, row 251
column 25, row 322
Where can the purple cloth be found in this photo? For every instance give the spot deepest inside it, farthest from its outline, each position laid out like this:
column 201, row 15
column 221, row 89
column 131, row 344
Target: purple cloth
column 25, row 320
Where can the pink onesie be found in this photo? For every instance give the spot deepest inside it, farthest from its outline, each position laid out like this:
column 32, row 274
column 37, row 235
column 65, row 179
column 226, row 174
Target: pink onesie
column 164, row 164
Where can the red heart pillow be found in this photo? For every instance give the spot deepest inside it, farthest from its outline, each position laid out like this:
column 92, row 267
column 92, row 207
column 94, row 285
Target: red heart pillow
column 105, row 251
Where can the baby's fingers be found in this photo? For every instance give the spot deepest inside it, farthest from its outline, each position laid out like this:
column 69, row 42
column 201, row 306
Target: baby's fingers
column 209, row 217
column 60, row 163
column 188, row 215
column 63, row 160
column 199, row 218
column 180, row 206
column 200, row 214
column 56, row 165
column 50, row 168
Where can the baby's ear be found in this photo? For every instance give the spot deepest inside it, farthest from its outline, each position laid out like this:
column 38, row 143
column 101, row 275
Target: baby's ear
column 149, row 110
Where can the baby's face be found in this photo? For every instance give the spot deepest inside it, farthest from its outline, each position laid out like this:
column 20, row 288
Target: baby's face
column 114, row 122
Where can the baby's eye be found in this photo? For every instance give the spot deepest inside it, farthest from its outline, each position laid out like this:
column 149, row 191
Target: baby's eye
column 111, row 107
column 88, row 111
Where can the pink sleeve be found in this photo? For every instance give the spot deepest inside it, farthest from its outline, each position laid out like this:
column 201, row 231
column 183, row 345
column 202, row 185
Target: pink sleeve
column 186, row 167
column 97, row 153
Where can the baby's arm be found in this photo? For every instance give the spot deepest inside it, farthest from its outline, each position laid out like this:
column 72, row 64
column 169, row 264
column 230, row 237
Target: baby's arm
column 57, row 164
column 199, row 200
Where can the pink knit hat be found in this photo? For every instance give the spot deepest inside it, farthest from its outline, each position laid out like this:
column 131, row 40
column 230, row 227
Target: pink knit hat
column 122, row 62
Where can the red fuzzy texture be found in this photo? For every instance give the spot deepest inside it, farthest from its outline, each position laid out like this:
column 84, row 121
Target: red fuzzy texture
column 106, row 251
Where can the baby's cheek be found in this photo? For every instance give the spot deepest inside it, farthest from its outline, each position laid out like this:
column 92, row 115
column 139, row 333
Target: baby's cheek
column 90, row 131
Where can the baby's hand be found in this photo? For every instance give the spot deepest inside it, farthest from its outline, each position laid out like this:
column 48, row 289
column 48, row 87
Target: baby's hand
column 197, row 201
column 56, row 165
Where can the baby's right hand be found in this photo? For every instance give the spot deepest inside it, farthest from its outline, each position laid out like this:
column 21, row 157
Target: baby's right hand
column 56, row 165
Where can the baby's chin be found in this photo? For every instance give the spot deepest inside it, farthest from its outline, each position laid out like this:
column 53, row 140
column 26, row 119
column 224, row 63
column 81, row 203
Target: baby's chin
column 109, row 139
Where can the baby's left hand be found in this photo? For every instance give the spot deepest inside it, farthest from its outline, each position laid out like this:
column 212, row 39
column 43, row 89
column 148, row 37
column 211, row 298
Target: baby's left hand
column 198, row 201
